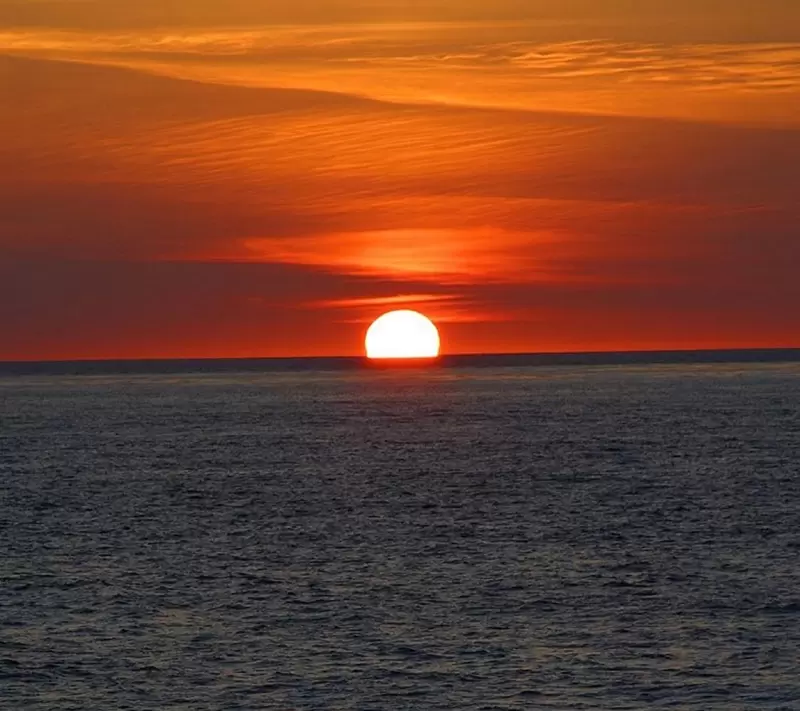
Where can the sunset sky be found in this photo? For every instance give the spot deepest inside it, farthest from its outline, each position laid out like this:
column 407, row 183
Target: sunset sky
column 202, row 178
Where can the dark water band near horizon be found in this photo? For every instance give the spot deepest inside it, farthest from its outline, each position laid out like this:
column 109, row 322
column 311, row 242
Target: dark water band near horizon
column 333, row 363
column 608, row 531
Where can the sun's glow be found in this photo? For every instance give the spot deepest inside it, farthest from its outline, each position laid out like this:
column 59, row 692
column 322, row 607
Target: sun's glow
column 402, row 334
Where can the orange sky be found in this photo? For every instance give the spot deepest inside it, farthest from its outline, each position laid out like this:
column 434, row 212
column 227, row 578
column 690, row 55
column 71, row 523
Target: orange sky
column 220, row 178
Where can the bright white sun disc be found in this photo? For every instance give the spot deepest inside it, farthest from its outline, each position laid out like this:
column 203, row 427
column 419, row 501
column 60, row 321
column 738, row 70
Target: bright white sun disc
column 402, row 334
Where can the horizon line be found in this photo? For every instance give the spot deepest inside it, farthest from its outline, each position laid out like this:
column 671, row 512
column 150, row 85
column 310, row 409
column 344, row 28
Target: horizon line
column 785, row 350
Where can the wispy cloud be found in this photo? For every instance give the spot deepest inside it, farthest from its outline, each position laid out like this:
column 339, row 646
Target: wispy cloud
column 442, row 46
column 752, row 66
column 396, row 300
column 456, row 64
column 440, row 256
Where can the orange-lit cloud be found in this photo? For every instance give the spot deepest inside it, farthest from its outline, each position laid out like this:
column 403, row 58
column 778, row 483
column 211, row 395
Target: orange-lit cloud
column 387, row 301
column 442, row 256
column 454, row 64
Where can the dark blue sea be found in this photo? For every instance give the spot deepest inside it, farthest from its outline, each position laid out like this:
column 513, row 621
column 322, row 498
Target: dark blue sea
column 486, row 534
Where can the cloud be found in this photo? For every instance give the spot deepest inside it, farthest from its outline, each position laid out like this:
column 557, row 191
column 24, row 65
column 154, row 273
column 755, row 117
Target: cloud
column 442, row 47
column 388, row 301
column 440, row 256
column 718, row 66
column 458, row 64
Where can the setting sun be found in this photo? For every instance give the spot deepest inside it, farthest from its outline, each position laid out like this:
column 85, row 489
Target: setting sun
column 402, row 334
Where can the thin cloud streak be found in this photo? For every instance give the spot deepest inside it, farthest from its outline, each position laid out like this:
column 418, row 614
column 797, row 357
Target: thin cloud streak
column 454, row 64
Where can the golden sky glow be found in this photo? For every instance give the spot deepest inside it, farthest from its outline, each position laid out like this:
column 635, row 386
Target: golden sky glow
column 226, row 178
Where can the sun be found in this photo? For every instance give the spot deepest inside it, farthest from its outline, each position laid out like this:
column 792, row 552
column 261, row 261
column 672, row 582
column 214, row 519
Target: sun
column 402, row 334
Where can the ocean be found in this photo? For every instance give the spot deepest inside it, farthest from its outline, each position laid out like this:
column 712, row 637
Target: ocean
column 617, row 533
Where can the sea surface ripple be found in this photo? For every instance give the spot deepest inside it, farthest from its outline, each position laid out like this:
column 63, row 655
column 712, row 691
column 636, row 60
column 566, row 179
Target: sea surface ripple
column 620, row 537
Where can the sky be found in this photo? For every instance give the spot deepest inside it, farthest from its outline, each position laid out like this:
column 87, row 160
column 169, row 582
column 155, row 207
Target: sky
column 240, row 178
